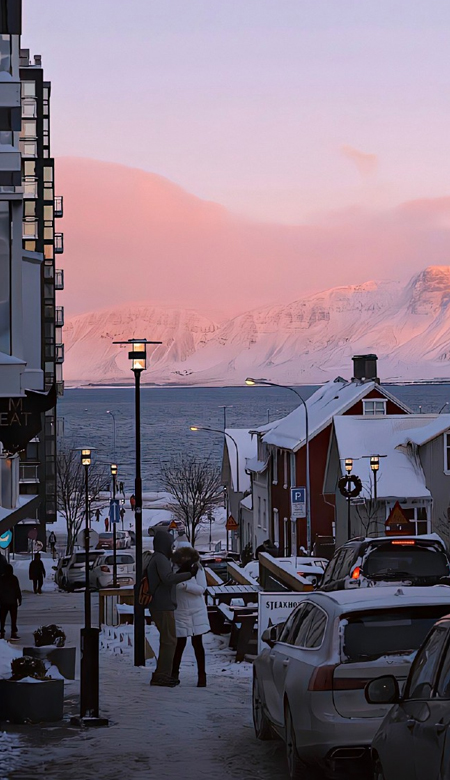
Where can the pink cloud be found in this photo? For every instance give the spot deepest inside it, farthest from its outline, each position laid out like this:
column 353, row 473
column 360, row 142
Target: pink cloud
column 365, row 163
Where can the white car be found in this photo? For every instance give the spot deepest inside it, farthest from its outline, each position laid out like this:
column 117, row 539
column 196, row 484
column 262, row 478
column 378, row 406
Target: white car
column 75, row 574
column 101, row 574
column 308, row 684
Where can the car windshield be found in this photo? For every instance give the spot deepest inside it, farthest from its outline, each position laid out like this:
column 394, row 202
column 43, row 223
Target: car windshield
column 81, row 557
column 369, row 635
column 109, row 559
column 405, row 560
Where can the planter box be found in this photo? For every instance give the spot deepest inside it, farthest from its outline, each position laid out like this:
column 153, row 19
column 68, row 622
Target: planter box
column 63, row 658
column 32, row 702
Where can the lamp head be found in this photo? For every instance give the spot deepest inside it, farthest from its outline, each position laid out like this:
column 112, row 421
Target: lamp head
column 193, row 428
column 249, row 381
column 138, row 356
column 114, row 469
column 374, row 462
column 349, row 465
column 86, row 457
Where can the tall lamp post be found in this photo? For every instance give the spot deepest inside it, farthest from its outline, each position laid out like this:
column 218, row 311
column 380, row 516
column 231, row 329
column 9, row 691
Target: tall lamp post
column 113, row 415
column 228, row 436
column 114, row 523
column 138, row 357
column 250, row 381
column 349, row 469
column 375, row 465
column 89, row 694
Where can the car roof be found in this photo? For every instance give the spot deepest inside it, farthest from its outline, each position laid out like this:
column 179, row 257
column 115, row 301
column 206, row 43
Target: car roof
column 394, row 597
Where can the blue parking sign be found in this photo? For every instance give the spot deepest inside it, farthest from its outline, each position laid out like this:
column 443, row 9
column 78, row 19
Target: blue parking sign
column 298, row 502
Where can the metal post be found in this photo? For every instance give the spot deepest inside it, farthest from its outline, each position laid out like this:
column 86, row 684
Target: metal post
column 114, row 538
column 349, row 532
column 87, row 592
column 374, row 485
column 139, row 628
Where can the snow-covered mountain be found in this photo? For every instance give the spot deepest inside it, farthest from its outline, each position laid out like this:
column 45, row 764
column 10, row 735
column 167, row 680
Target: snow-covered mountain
column 309, row 340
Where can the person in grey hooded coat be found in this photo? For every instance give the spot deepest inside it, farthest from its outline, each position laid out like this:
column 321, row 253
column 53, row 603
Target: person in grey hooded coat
column 162, row 583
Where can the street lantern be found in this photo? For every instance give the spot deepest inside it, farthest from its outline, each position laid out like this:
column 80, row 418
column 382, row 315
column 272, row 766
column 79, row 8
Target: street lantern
column 114, row 524
column 138, row 357
column 114, row 469
column 85, row 457
column 349, row 465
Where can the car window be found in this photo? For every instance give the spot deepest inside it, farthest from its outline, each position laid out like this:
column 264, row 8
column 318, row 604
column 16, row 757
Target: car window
column 423, row 670
column 329, row 571
column 443, row 683
column 343, row 563
column 293, row 623
column 312, row 629
column 416, row 561
column 109, row 559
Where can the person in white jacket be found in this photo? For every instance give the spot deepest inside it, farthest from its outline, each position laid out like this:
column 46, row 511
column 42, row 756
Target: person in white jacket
column 191, row 615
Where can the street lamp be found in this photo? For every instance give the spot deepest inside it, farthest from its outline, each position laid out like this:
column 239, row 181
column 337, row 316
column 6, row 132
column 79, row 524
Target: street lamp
column 228, row 435
column 138, row 357
column 349, row 468
column 374, row 465
column 89, row 678
column 250, row 381
column 113, row 415
column 114, row 523
column 225, row 407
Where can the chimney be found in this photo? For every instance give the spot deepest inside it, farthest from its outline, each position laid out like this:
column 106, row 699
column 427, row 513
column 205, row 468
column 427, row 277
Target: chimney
column 365, row 368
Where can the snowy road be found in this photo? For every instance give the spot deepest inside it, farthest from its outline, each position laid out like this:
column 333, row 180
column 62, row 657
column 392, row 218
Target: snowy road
column 181, row 733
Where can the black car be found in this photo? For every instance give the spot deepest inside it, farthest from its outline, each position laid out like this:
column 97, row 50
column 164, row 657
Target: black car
column 413, row 741
column 410, row 560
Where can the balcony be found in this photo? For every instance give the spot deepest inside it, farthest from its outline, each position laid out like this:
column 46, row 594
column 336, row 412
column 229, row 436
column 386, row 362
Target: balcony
column 59, row 279
column 58, row 206
column 59, row 353
column 59, row 243
column 28, row 473
column 59, row 316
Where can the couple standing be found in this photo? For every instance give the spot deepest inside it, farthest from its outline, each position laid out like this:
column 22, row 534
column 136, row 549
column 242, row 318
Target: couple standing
column 178, row 608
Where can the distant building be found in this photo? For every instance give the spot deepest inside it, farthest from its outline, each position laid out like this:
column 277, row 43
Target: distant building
column 29, row 337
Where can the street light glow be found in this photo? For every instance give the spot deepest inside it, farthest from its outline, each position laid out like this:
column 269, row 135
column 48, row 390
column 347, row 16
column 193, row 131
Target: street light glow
column 249, row 381
column 348, row 465
column 374, row 462
column 86, row 457
column 193, row 428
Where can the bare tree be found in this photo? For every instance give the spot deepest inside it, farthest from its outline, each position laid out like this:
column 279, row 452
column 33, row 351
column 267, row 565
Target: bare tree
column 70, row 490
column 196, row 488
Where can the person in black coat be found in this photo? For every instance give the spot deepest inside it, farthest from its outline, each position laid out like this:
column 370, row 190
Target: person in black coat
column 36, row 572
column 10, row 599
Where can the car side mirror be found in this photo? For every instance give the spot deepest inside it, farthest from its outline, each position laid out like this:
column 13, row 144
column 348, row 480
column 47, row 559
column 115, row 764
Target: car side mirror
column 270, row 635
column 382, row 690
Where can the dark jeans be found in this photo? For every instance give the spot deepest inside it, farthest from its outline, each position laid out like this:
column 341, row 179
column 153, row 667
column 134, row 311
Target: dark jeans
column 165, row 623
column 37, row 585
column 12, row 609
column 199, row 650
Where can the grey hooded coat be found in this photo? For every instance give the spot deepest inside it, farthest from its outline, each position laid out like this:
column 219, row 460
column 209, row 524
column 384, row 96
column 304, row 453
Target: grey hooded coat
column 161, row 577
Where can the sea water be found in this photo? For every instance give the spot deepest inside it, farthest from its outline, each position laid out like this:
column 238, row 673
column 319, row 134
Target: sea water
column 168, row 413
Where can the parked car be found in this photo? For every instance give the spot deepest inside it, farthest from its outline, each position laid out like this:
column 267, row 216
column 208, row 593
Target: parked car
column 411, row 560
column 101, row 574
column 217, row 562
column 164, row 525
column 76, row 569
column 106, row 540
column 309, row 568
column 308, row 684
column 61, row 571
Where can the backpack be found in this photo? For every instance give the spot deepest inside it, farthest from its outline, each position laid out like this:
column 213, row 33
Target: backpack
column 144, row 597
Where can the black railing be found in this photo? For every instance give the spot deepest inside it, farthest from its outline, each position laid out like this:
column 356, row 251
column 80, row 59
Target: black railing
column 59, row 243
column 59, row 206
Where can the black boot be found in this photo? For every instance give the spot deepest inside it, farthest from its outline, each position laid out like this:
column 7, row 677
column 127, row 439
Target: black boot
column 201, row 680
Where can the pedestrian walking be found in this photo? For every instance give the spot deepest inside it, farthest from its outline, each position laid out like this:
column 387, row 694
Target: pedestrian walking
column 162, row 581
column 107, row 524
column 133, row 502
column 191, row 614
column 97, row 515
column 36, row 572
column 10, row 600
column 52, row 543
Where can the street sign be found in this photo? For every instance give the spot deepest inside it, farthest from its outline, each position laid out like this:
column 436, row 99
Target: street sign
column 93, row 538
column 114, row 510
column 231, row 524
column 298, row 502
column 173, row 526
column 33, row 533
column 5, row 539
column 397, row 523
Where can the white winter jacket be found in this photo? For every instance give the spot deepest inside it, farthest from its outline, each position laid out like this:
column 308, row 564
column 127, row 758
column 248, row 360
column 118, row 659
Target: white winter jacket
column 191, row 615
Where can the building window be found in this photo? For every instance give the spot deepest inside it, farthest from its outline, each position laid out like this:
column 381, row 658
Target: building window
column 374, row 408
column 293, row 537
column 30, row 189
column 28, row 148
column 259, row 511
column 29, row 110
column 286, row 525
column 447, row 453
column 48, row 174
column 264, row 515
column 5, row 271
column 418, row 518
column 29, row 208
column 28, row 89
column 285, row 469
column 275, row 467
column 30, row 229
column 276, row 528
column 6, row 137
column 5, row 53
column 28, row 128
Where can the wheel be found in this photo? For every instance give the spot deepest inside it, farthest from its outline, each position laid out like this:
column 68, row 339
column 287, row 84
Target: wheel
column 377, row 771
column 296, row 768
column 261, row 722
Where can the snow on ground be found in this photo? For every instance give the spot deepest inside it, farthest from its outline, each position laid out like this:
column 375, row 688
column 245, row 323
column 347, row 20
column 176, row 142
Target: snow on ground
column 7, row 654
column 21, row 562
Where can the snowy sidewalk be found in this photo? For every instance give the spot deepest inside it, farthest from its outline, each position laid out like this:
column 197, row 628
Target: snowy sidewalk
column 155, row 733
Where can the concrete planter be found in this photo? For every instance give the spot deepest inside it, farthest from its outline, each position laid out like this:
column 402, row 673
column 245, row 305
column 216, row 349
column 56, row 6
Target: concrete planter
column 32, row 702
column 64, row 658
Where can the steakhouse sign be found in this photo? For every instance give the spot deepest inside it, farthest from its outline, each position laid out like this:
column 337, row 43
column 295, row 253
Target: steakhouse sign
column 274, row 608
column 21, row 418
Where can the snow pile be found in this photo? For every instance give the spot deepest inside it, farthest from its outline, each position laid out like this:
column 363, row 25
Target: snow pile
column 7, row 655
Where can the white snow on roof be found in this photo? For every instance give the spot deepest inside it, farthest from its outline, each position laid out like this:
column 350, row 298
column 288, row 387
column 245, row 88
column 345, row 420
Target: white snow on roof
column 333, row 398
column 247, row 447
column 388, row 596
column 400, row 474
column 426, row 433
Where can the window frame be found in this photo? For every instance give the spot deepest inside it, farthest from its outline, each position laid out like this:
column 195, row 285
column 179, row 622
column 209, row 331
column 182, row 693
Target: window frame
column 374, row 401
column 315, row 608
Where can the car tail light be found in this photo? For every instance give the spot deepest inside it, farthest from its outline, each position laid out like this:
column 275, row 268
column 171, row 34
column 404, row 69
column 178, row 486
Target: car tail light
column 404, row 542
column 349, row 683
column 356, row 572
column 322, row 678
column 104, row 568
column 218, row 560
